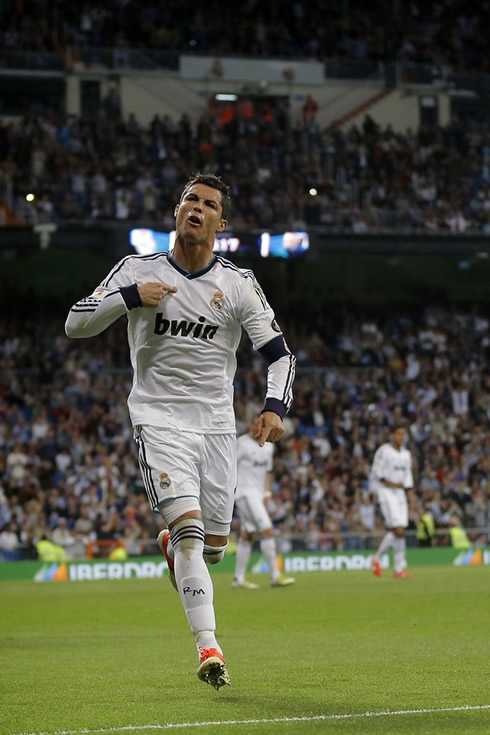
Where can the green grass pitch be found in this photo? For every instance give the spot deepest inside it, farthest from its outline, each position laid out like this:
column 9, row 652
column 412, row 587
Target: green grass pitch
column 109, row 657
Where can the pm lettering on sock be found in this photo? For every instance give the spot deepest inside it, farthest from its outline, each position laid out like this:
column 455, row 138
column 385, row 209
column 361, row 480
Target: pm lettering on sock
column 194, row 592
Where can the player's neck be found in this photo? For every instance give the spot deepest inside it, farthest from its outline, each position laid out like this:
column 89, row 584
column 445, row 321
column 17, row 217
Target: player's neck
column 193, row 257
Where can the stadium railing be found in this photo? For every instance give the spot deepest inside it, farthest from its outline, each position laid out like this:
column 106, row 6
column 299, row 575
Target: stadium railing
column 350, row 541
column 31, row 60
column 127, row 59
column 103, row 547
column 393, row 73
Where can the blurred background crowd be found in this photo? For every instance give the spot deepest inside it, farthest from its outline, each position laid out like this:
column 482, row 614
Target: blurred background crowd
column 283, row 173
column 449, row 32
column 68, row 464
column 365, row 178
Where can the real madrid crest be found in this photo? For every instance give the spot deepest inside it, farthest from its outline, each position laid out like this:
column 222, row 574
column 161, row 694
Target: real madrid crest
column 217, row 300
column 165, row 481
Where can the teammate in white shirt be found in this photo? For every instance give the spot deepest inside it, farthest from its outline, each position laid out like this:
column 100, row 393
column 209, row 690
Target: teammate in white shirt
column 391, row 477
column 254, row 476
column 185, row 314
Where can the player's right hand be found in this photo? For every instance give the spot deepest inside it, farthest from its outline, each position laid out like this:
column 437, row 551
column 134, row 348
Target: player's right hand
column 268, row 428
column 151, row 294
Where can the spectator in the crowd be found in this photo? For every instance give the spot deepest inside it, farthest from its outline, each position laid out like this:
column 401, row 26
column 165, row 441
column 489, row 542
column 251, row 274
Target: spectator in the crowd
column 61, row 536
column 426, row 527
column 9, row 543
column 309, row 110
column 459, row 537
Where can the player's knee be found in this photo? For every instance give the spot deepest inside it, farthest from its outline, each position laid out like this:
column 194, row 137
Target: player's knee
column 187, row 536
column 214, row 554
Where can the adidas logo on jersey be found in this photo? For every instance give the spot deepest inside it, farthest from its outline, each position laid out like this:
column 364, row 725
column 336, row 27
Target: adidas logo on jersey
column 184, row 328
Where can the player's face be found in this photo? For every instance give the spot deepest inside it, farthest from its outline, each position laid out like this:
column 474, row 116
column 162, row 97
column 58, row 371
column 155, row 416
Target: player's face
column 199, row 215
column 399, row 437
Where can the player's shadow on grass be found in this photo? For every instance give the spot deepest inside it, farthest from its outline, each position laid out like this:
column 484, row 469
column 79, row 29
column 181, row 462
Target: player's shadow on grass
column 285, row 704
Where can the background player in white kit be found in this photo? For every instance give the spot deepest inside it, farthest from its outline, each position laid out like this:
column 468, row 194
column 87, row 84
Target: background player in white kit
column 185, row 313
column 391, row 476
column 254, row 475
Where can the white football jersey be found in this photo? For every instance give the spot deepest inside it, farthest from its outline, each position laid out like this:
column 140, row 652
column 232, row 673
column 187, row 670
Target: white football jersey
column 253, row 464
column 183, row 351
column 393, row 465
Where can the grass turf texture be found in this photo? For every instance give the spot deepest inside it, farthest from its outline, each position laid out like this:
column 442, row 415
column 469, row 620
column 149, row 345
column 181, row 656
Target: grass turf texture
column 100, row 655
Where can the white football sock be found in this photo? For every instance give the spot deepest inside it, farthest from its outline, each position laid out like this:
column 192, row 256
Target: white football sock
column 386, row 544
column 244, row 549
column 399, row 545
column 206, row 639
column 268, row 549
column 193, row 579
column 170, row 549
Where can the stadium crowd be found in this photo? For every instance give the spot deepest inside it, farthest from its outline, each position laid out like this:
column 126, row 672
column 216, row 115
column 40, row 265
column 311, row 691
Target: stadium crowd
column 365, row 179
column 68, row 464
column 451, row 32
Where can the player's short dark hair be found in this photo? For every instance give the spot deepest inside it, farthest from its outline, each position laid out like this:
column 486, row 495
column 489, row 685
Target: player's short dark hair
column 215, row 182
column 398, row 425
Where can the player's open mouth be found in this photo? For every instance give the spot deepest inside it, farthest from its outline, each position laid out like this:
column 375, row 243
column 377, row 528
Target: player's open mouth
column 194, row 220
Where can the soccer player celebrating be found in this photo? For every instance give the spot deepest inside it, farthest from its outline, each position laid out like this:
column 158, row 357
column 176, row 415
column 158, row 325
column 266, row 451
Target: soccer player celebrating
column 391, row 474
column 254, row 464
column 185, row 312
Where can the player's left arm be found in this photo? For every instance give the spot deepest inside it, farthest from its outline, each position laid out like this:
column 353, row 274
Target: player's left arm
column 408, row 484
column 408, row 479
column 267, row 488
column 257, row 318
column 268, row 475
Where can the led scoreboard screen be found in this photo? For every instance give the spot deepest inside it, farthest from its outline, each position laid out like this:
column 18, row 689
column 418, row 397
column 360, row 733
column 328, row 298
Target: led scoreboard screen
column 252, row 245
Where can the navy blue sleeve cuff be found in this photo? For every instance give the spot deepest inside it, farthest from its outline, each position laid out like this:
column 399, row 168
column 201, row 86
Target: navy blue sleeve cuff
column 131, row 296
column 274, row 350
column 274, row 405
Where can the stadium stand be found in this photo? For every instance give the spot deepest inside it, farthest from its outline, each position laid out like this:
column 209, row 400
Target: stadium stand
column 366, row 179
column 442, row 33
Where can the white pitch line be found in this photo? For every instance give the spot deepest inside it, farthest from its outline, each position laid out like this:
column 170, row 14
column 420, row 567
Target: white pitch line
column 271, row 721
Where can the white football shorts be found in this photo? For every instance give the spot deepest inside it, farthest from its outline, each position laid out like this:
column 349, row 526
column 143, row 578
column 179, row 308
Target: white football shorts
column 252, row 512
column 198, row 467
column 394, row 507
